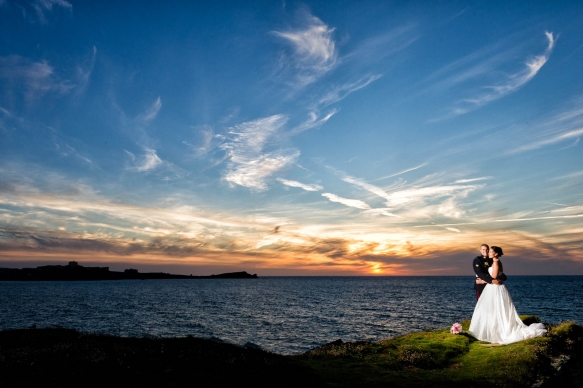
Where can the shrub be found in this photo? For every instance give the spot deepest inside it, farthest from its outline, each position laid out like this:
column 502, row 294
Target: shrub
column 529, row 319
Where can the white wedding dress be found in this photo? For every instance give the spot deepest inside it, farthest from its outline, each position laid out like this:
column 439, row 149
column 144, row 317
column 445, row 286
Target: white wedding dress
column 495, row 318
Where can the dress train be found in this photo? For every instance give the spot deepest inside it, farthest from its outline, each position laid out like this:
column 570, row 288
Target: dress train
column 495, row 318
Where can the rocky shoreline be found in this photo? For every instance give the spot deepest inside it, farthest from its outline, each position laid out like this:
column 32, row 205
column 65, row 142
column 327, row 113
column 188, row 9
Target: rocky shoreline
column 66, row 357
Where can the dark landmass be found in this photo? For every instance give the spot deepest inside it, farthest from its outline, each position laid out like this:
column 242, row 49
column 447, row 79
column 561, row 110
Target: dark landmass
column 67, row 358
column 74, row 271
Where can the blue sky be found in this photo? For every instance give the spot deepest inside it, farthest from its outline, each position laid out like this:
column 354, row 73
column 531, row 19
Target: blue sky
column 291, row 138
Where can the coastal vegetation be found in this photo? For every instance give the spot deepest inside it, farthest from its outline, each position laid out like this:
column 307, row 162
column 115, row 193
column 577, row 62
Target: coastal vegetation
column 439, row 358
column 65, row 357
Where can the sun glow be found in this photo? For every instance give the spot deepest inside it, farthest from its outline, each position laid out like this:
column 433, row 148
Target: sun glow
column 376, row 268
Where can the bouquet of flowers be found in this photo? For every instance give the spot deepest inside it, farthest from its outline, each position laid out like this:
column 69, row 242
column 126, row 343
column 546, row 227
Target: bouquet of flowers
column 456, row 328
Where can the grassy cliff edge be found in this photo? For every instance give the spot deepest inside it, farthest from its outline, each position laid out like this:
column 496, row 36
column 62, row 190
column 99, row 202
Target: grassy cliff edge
column 439, row 358
column 65, row 357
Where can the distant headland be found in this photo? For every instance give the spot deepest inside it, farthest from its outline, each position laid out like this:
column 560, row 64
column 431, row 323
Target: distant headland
column 75, row 271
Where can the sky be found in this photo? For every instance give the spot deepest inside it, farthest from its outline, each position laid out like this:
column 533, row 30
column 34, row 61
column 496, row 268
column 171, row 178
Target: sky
column 292, row 138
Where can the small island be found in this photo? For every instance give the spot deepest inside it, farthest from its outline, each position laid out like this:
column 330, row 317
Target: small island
column 75, row 271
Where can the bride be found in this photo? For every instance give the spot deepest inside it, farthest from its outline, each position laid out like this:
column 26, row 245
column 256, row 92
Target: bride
column 495, row 318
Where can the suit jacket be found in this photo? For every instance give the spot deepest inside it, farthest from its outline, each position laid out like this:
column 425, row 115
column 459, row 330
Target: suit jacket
column 481, row 265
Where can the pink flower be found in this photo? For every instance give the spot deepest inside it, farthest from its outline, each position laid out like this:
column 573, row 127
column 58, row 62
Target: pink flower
column 456, row 328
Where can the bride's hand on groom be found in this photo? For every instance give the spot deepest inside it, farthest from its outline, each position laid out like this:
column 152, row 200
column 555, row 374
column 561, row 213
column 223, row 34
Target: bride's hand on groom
column 494, row 281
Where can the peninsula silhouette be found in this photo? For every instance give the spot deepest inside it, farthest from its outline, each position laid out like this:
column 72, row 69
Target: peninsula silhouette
column 75, row 271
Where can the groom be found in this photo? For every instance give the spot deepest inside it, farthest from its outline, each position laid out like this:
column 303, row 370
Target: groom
column 481, row 264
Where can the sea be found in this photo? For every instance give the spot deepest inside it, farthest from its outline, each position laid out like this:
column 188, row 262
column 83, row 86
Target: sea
column 285, row 315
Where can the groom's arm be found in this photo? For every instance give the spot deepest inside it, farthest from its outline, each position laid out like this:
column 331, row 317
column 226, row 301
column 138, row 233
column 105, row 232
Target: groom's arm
column 479, row 270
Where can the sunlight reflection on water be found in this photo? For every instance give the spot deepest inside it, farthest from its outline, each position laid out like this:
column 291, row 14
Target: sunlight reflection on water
column 282, row 314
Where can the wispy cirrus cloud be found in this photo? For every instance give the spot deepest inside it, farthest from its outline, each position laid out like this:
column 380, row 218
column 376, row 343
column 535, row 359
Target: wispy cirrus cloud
column 207, row 141
column 552, row 139
column 304, row 186
column 150, row 113
column 136, row 127
column 34, row 78
column 249, row 163
column 39, row 10
column 67, row 150
column 367, row 186
column 566, row 125
column 474, row 65
column 367, row 53
column 146, row 162
column 511, row 83
column 573, row 212
column 570, row 176
column 380, row 46
column 381, row 211
column 340, row 92
column 84, row 71
column 252, row 173
column 469, row 180
column 401, row 172
column 421, row 194
column 313, row 121
column 422, row 199
column 356, row 203
column 42, row 7
column 149, row 160
column 313, row 51
column 574, row 114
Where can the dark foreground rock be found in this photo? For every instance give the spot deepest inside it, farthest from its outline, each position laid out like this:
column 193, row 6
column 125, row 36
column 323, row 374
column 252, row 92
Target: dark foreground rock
column 67, row 358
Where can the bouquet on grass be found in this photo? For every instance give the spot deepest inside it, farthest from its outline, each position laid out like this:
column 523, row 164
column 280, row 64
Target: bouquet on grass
column 456, row 328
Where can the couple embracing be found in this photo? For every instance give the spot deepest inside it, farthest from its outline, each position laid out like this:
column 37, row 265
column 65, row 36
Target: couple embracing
column 495, row 318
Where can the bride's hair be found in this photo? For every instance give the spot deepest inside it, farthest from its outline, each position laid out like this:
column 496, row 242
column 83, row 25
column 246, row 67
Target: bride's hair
column 497, row 250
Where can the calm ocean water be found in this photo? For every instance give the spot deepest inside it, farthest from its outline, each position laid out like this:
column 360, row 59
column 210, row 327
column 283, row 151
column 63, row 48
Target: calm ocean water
column 286, row 315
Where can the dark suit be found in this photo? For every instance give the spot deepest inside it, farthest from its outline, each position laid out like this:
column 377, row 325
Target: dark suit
column 481, row 265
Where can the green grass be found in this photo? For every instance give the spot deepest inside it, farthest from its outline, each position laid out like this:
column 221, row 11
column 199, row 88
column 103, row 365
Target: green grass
column 438, row 358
